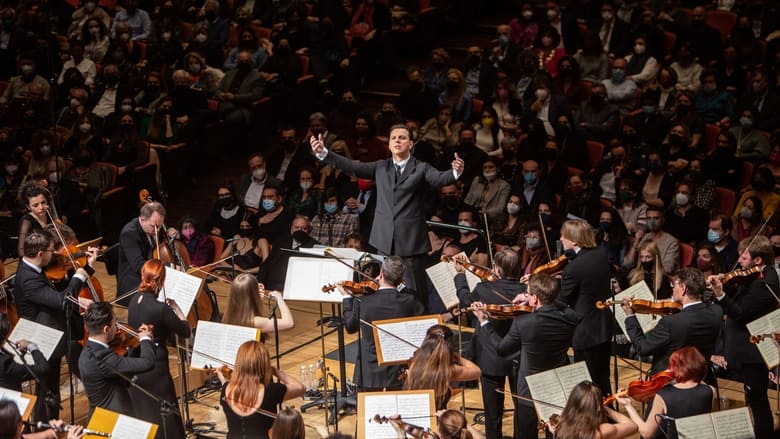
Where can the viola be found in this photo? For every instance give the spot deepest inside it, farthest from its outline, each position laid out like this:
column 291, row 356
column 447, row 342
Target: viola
column 124, row 340
column 643, row 391
column 60, row 264
column 741, row 276
column 225, row 370
column 553, row 267
column 481, row 272
column 412, row 430
column 642, row 306
column 357, row 289
column 758, row 338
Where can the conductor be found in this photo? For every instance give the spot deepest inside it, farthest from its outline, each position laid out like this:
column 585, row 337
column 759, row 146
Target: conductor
column 399, row 222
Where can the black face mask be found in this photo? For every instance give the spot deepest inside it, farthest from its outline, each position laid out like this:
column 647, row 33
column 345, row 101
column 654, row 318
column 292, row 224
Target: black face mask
column 226, row 202
column 127, row 126
column 83, row 161
column 244, row 66
column 648, row 266
column 451, row 201
column 550, row 154
column 474, row 60
column 300, row 236
column 112, row 80
column 244, row 233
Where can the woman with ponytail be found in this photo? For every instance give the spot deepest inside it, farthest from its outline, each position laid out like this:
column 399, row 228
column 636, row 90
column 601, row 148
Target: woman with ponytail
column 437, row 364
column 452, row 425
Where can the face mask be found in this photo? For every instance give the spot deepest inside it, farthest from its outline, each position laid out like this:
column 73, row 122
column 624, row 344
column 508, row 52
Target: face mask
column 112, row 80
column 452, row 85
column 655, row 167
column 563, row 127
column 648, row 109
column 27, row 69
column 45, row 149
column 604, row 225
column 703, row 265
column 74, row 103
column 653, row 224
column 618, row 75
column 545, row 217
column 201, row 38
column 648, row 265
column 126, row 108
column 124, row 37
column 300, row 236
column 607, row 16
column 746, row 122
column 639, row 49
column 94, row 31
column 503, row 40
column 487, row 122
column 211, row 16
column 464, row 224
column 512, row 208
column 759, row 87
column 529, row 177
column 552, row 14
column 489, row 176
column 681, row 199
column 542, row 94
column 11, row 169
column 306, row 185
column 774, row 158
column 708, row 88
column 528, row 14
column 474, row 60
column 245, row 65
column 244, row 232
column 532, row 243
column 194, row 68
column 364, row 185
column 713, row 236
column 330, row 207
column 625, row 196
column 85, row 128
column 598, row 100
column 188, row 233
column 269, row 205
column 226, row 201
column 550, row 154
column 259, row 173
column 53, row 177
column 746, row 213
column 127, row 126
column 166, row 36
column 451, row 201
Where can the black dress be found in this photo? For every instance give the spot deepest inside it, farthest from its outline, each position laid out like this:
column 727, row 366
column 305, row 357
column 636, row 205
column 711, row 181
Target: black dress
column 158, row 380
column 256, row 425
column 27, row 225
column 684, row 402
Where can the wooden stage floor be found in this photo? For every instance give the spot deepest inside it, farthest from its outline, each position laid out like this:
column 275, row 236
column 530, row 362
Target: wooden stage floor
column 302, row 346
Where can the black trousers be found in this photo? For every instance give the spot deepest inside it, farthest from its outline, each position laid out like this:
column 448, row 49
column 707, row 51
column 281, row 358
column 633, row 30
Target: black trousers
column 756, row 385
column 597, row 359
column 494, row 403
column 415, row 278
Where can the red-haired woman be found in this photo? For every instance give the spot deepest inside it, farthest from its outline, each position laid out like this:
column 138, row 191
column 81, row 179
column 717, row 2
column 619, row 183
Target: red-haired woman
column 167, row 318
column 687, row 397
column 250, row 388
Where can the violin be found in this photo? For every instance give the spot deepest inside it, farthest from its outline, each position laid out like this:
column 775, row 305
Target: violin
column 481, row 272
column 125, row 339
column 759, row 338
column 499, row 312
column 356, row 289
column 642, row 306
column 741, row 276
column 549, row 424
column 413, row 430
column 643, row 391
column 60, row 264
column 553, row 267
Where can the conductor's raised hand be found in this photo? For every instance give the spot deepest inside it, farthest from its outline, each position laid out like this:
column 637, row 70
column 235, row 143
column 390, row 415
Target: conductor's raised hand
column 317, row 144
column 458, row 165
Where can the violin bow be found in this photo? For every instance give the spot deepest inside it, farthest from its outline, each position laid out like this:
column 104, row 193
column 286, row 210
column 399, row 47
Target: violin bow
column 397, row 337
column 544, row 236
column 51, row 214
column 487, row 237
column 755, row 235
column 331, row 254
column 525, row 398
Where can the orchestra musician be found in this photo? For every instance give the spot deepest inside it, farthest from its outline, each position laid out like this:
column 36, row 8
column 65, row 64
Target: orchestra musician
column 586, row 280
column 697, row 325
column 12, row 373
column 136, row 246
column 542, row 338
column 688, row 396
column 437, row 364
column 99, row 364
column 452, row 425
column 250, row 389
column 38, row 301
column 245, row 306
column 386, row 303
column 399, row 220
column 495, row 368
column 36, row 200
column 167, row 319
column 743, row 304
column 585, row 416
column 11, row 425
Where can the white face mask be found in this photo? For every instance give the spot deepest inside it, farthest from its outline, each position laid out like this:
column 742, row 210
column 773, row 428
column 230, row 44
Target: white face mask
column 85, row 128
column 639, row 49
column 528, row 14
column 74, row 103
column 126, row 108
column 542, row 94
column 489, row 176
column 53, row 177
column 681, row 199
column 259, row 173
column 464, row 224
column 306, row 185
column 201, row 38
column 512, row 208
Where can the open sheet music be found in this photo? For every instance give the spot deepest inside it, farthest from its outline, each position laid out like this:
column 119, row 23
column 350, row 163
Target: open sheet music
column 23, row 401
column 553, row 387
column 726, row 424
column 442, row 277
column 391, row 350
column 219, row 341
column 46, row 338
column 306, row 277
column 181, row 287
column 414, row 406
column 639, row 291
column 121, row 426
column 765, row 325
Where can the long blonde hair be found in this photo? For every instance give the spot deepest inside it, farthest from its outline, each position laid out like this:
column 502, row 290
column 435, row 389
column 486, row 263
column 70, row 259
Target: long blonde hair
column 638, row 273
column 252, row 372
column 244, row 302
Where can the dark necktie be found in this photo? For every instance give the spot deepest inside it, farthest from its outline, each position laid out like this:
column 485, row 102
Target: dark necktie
column 397, row 171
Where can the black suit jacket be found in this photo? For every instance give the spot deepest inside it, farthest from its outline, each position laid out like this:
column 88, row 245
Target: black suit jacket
column 12, row 373
column 483, row 350
column 98, row 366
column 399, row 220
column 302, row 157
column 135, row 249
column 540, row 338
column 387, row 303
column 742, row 306
column 586, row 281
column 37, row 299
column 620, row 39
column 697, row 325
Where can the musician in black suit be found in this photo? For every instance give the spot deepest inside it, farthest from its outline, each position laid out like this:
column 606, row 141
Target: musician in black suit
column 99, row 364
column 697, row 325
column 37, row 300
column 273, row 272
column 401, row 181
column 495, row 368
column 386, row 303
column 742, row 305
column 136, row 245
column 586, row 280
column 541, row 338
column 12, row 373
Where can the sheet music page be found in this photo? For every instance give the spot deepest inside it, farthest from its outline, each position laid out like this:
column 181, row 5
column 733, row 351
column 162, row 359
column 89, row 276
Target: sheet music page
column 306, row 277
column 413, row 331
column 46, row 338
column 764, row 325
column 639, row 290
column 441, row 276
column 733, row 424
column 130, row 428
column 546, row 387
column 410, row 406
column 695, row 427
column 220, row 341
column 571, row 375
column 416, row 406
column 181, row 287
column 17, row 397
